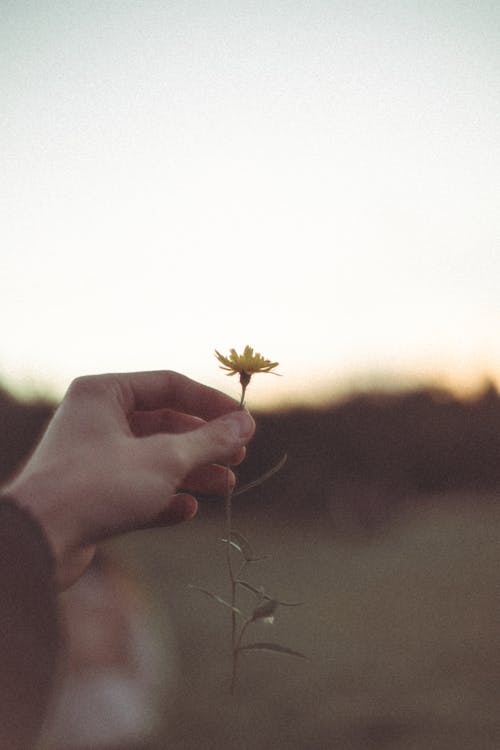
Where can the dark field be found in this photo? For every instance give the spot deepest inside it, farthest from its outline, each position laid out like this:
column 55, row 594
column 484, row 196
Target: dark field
column 402, row 633
column 385, row 522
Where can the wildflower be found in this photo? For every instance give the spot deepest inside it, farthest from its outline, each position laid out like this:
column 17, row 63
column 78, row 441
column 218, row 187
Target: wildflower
column 246, row 364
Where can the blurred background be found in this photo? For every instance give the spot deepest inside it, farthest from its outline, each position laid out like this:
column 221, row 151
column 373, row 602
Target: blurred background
column 319, row 180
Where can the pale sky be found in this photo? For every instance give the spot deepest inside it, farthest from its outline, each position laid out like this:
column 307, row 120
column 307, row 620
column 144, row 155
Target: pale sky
column 318, row 179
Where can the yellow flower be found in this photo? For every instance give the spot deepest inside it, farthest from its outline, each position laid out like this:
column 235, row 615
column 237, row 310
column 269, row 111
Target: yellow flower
column 246, row 364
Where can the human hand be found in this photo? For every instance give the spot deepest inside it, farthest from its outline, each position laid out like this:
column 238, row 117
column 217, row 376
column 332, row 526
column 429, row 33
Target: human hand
column 116, row 454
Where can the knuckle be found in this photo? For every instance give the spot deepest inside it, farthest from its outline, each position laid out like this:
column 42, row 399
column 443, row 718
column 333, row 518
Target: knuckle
column 170, row 460
column 91, row 386
column 220, row 443
column 83, row 385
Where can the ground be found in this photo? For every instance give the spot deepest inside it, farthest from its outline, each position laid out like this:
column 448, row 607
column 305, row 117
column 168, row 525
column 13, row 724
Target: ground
column 401, row 630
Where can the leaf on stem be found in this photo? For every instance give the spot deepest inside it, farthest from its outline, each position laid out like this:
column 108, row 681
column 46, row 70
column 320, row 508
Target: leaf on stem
column 272, row 647
column 265, row 610
column 217, row 598
column 289, row 604
column 249, row 587
column 262, row 595
column 258, row 559
column 263, row 477
column 234, row 545
column 240, row 543
column 244, row 545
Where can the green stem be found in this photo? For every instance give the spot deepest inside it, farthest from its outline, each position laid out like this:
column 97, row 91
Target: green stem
column 229, row 559
column 243, row 391
column 232, row 577
column 236, row 651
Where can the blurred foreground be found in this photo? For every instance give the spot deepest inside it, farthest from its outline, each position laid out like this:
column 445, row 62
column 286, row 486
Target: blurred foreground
column 402, row 633
column 385, row 521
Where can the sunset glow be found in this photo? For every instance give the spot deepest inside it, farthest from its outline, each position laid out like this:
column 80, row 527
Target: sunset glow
column 317, row 180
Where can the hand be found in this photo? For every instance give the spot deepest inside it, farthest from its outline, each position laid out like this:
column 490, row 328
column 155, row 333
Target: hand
column 116, row 453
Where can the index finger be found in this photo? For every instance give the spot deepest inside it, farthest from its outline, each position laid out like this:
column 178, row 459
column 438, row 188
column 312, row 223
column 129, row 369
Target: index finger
column 159, row 389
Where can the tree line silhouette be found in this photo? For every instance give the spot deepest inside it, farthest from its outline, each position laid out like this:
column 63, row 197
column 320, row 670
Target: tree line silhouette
column 362, row 456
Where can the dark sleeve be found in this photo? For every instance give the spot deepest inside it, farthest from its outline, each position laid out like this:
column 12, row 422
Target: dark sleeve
column 29, row 631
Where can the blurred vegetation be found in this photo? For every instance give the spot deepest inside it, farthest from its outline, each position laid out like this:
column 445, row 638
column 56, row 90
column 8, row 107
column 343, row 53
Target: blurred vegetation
column 401, row 625
column 361, row 457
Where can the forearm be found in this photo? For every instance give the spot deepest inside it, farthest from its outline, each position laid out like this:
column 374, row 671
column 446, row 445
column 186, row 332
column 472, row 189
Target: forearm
column 29, row 629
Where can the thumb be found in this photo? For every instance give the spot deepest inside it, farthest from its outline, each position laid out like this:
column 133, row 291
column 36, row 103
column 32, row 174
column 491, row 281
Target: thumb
column 218, row 440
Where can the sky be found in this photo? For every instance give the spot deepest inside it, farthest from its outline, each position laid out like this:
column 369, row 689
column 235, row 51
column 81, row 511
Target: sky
column 317, row 179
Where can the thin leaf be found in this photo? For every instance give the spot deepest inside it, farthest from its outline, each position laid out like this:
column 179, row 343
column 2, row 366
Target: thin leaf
column 253, row 589
column 260, row 593
column 234, row 545
column 289, row 604
column 272, row 647
column 264, row 610
column 263, row 477
column 217, row 598
column 243, row 544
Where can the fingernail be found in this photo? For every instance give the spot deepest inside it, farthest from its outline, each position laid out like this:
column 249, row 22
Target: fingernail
column 240, row 423
column 181, row 508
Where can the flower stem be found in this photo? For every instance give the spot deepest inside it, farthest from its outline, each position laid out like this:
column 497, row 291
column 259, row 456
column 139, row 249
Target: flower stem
column 236, row 651
column 229, row 530
column 229, row 559
column 243, row 391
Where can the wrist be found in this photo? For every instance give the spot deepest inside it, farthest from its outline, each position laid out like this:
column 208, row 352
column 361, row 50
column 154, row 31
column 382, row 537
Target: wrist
column 34, row 495
column 11, row 505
